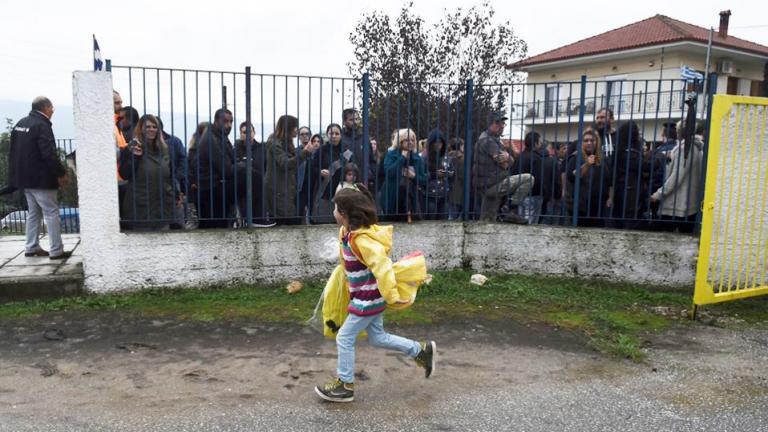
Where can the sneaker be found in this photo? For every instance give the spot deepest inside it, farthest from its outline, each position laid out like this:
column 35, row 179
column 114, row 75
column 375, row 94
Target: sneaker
column 265, row 224
column 61, row 256
column 37, row 253
column 515, row 219
column 427, row 358
column 336, row 391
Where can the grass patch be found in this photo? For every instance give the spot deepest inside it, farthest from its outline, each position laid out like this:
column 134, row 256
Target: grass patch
column 613, row 317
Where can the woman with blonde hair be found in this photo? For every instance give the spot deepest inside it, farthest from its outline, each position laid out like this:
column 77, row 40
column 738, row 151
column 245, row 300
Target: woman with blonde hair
column 595, row 190
column 403, row 171
column 145, row 163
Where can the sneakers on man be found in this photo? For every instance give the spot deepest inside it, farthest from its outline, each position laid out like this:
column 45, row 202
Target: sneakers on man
column 336, row 391
column 427, row 358
column 514, row 218
column 61, row 256
column 264, row 224
column 37, row 253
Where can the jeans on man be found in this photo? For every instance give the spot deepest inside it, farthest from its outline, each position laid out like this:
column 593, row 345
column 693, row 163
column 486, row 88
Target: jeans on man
column 455, row 211
column 43, row 203
column 531, row 208
column 374, row 324
column 518, row 186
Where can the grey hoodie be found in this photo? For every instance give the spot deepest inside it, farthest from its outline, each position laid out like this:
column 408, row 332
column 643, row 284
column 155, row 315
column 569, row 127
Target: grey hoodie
column 679, row 195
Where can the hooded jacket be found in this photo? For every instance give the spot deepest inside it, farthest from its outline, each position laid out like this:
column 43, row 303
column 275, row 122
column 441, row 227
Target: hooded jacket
column 679, row 195
column 396, row 281
column 434, row 162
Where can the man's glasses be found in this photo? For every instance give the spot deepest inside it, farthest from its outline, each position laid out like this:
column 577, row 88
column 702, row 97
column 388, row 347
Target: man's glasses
column 304, row 134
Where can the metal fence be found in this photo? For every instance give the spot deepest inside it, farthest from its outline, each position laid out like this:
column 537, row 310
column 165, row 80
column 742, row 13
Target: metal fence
column 421, row 148
column 13, row 206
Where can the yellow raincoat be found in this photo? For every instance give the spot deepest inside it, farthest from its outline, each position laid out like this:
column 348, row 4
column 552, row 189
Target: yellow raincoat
column 372, row 245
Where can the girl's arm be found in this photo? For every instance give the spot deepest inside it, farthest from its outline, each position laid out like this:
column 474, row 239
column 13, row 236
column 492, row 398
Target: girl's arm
column 374, row 256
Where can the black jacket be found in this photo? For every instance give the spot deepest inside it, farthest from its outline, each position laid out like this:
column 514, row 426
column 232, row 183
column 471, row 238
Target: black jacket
column 215, row 161
column 332, row 158
column 258, row 155
column 33, row 160
column 352, row 140
column 546, row 181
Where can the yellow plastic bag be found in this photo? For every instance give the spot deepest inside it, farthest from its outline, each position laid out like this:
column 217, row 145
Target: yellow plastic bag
column 410, row 273
column 335, row 301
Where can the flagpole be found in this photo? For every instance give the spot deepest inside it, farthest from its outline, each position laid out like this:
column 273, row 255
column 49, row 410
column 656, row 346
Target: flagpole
column 706, row 73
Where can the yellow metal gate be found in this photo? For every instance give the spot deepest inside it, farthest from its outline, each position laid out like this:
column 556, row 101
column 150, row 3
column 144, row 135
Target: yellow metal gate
column 733, row 249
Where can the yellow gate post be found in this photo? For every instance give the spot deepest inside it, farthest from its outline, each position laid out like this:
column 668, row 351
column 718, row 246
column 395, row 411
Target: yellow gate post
column 733, row 247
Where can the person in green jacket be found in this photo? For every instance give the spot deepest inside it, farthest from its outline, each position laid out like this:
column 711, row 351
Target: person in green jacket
column 282, row 170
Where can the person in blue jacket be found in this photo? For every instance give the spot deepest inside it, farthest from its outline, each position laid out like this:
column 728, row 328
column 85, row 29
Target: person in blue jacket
column 404, row 171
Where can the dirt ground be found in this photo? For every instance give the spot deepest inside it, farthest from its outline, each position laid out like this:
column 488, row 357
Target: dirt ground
column 99, row 368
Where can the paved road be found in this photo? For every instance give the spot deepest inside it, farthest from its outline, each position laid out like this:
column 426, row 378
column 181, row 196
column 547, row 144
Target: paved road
column 108, row 372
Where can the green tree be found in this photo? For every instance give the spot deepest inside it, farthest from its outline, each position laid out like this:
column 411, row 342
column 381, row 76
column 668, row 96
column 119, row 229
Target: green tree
column 8, row 202
column 418, row 72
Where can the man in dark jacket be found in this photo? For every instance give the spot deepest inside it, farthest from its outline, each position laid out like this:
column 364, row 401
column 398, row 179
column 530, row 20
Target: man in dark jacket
column 543, row 169
column 490, row 173
column 258, row 169
column 352, row 140
column 35, row 166
column 604, row 121
column 216, row 165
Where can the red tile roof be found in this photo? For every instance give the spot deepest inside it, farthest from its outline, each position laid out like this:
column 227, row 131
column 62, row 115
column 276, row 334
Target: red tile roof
column 656, row 30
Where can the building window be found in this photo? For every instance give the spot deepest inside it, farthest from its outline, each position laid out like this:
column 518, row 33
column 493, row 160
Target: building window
column 550, row 100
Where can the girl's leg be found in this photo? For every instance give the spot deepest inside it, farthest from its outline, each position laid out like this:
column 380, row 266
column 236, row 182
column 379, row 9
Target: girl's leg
column 380, row 338
column 345, row 345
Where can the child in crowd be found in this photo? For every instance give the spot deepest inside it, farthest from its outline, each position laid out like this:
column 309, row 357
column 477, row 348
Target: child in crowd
column 372, row 285
column 351, row 176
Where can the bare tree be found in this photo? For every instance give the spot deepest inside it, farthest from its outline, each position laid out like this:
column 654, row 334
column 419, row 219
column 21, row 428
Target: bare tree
column 418, row 72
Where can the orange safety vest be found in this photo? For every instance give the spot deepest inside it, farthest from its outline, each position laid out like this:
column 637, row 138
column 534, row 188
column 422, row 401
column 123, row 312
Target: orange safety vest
column 121, row 144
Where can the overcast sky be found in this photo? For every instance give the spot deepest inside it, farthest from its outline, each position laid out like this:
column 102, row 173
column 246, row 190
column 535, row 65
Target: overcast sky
column 42, row 42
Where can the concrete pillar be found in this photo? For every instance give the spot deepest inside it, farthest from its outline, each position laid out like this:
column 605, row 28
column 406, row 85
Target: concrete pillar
column 96, row 177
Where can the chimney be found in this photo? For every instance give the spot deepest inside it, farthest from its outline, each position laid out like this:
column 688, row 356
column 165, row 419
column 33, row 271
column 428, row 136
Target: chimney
column 724, row 16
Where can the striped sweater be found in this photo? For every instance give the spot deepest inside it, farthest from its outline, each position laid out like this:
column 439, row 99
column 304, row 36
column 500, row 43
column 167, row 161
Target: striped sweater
column 364, row 296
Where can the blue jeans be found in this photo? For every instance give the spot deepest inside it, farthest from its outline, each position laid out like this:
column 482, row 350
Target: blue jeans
column 374, row 324
column 530, row 208
column 43, row 203
column 455, row 211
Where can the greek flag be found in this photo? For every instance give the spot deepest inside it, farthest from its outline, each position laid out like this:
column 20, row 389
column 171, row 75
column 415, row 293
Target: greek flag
column 690, row 74
column 98, row 63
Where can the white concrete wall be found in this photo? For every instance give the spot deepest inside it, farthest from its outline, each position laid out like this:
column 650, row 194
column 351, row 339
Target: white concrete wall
column 632, row 256
column 210, row 257
column 114, row 261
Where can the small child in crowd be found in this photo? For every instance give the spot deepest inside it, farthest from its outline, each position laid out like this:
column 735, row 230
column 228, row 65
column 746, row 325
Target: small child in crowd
column 351, row 176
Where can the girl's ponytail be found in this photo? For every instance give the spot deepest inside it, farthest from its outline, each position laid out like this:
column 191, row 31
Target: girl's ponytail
column 364, row 190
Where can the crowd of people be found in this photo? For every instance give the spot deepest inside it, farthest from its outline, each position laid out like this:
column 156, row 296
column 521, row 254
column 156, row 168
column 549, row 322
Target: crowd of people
column 611, row 177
